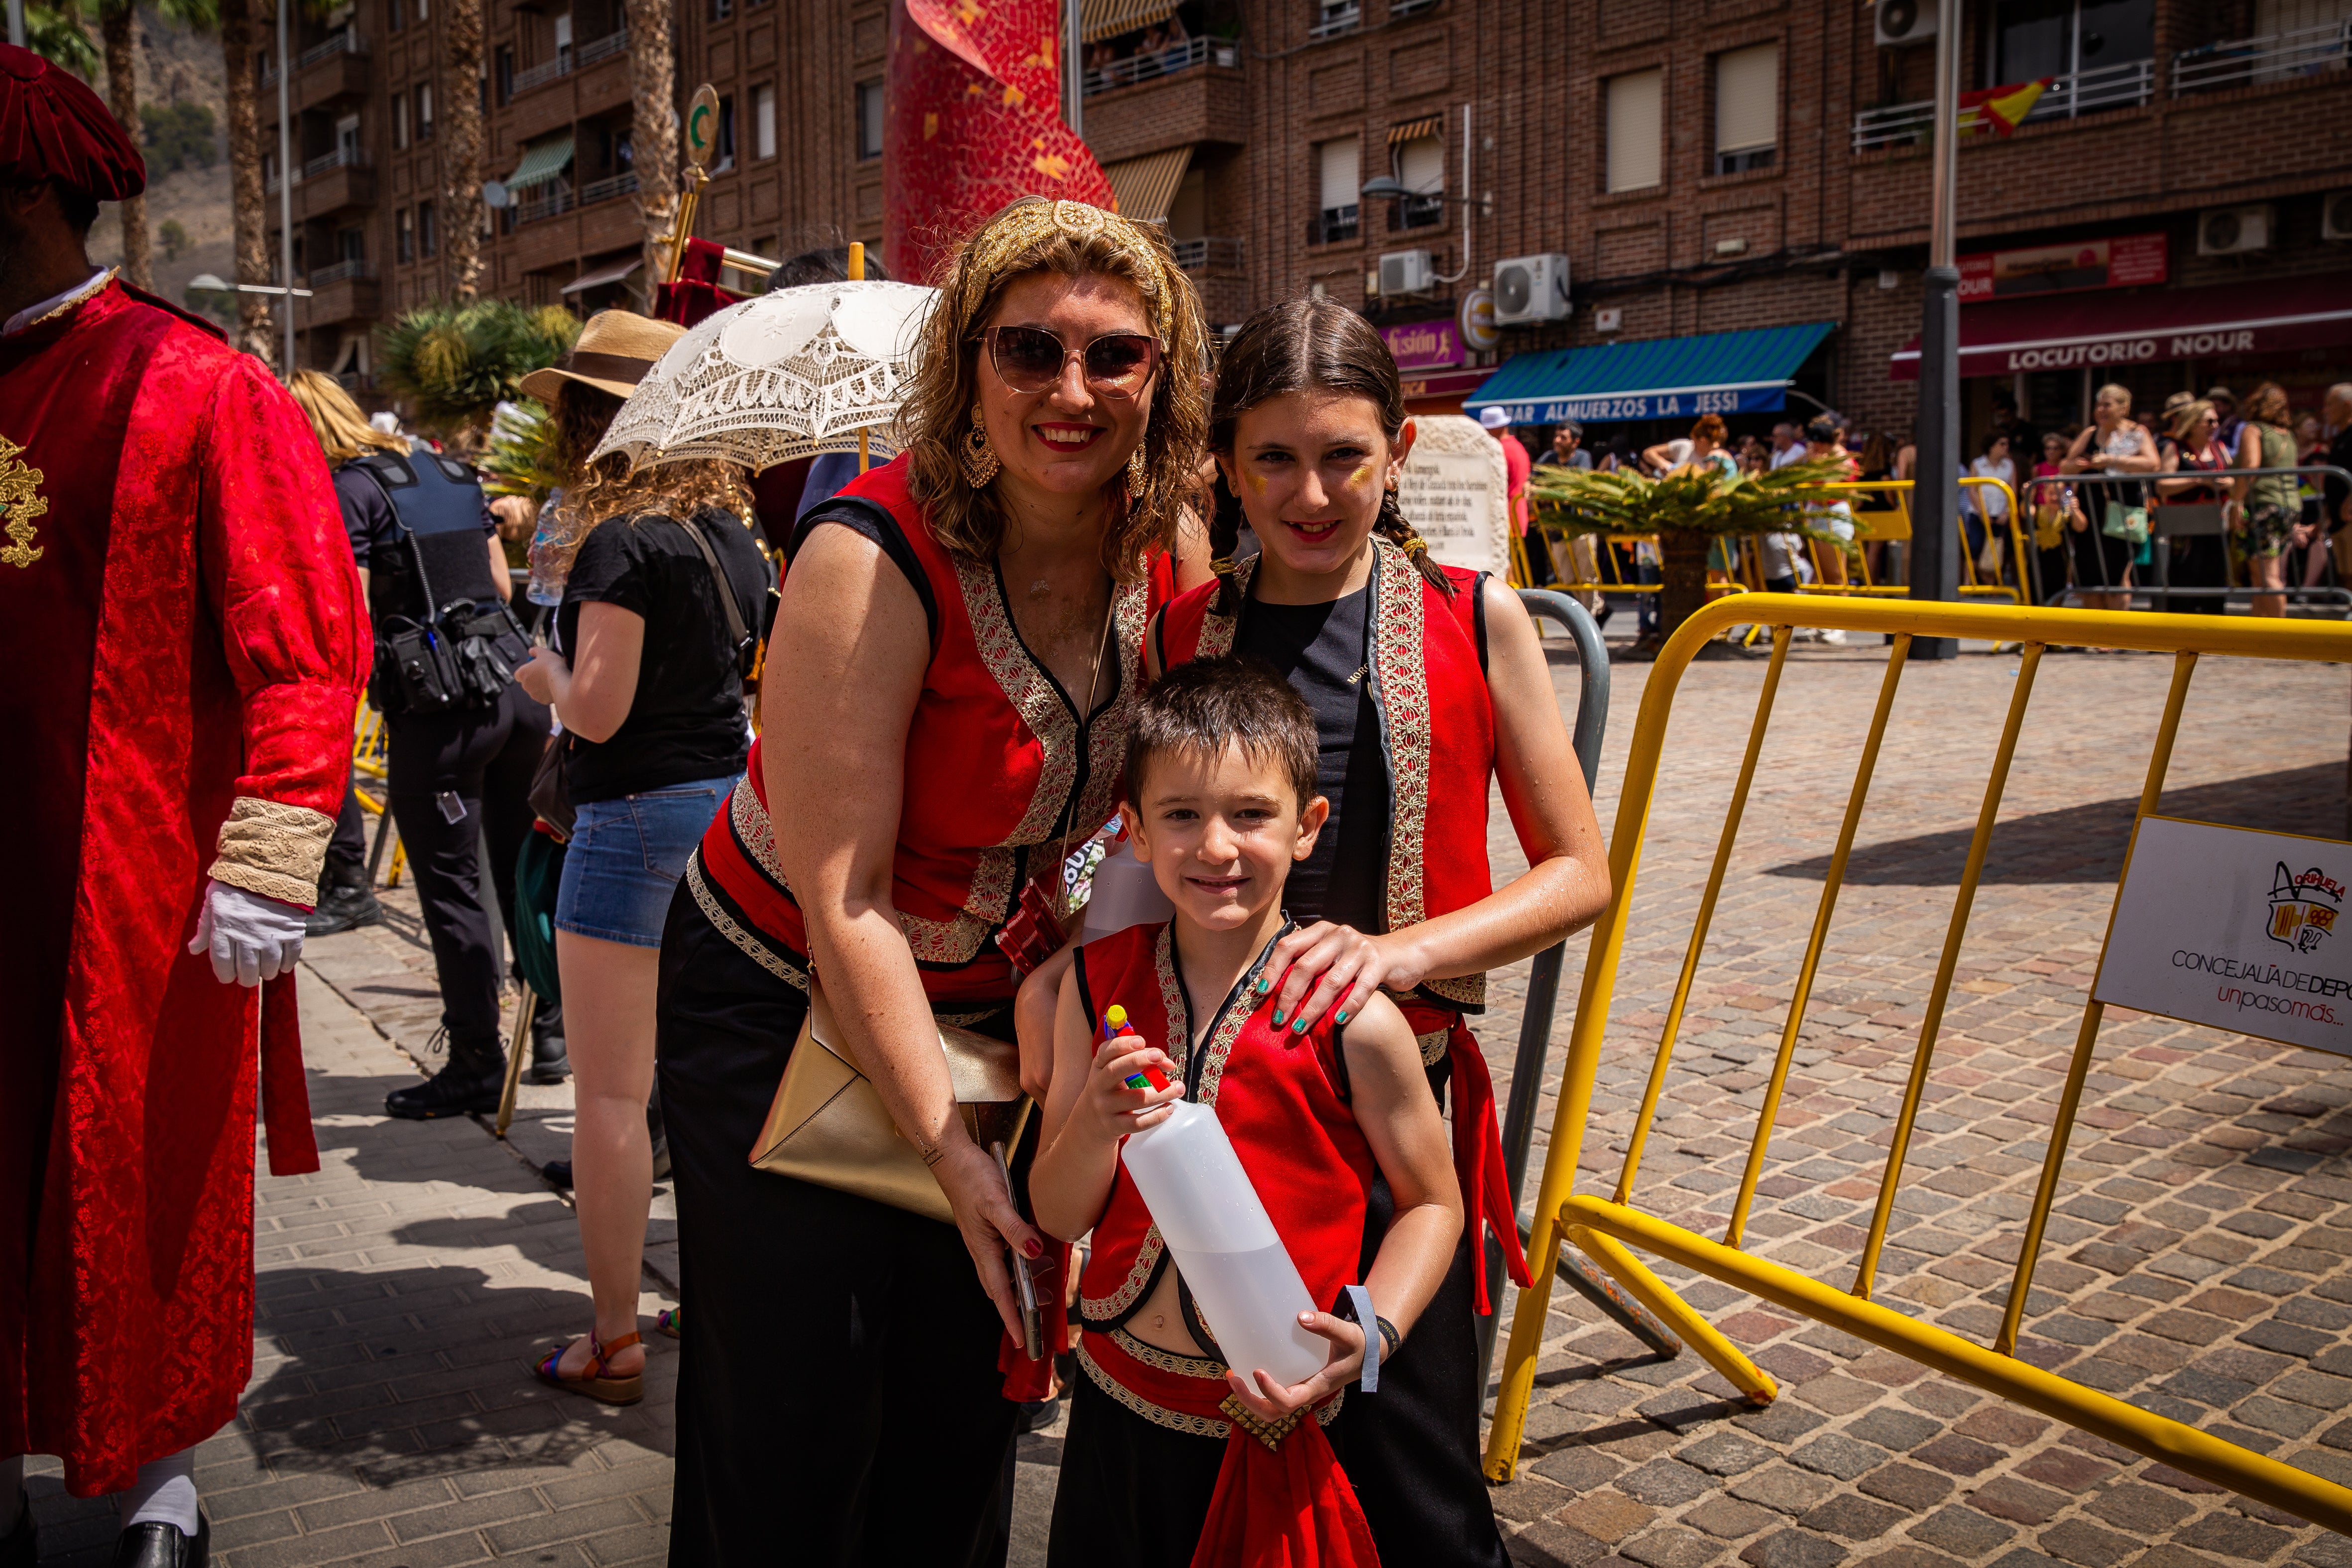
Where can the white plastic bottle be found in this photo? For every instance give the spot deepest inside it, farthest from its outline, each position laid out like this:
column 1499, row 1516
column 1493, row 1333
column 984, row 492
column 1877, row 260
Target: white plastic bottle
column 1222, row 1242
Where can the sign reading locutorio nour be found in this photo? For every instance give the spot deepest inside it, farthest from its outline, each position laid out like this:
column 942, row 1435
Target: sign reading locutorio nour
column 2235, row 929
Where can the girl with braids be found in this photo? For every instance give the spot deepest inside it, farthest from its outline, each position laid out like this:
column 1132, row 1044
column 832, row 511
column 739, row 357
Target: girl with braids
column 951, row 677
column 1426, row 681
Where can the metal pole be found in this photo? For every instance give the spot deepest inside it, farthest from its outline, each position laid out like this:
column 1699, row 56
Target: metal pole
column 1074, row 69
column 285, row 184
column 17, row 23
column 1935, row 553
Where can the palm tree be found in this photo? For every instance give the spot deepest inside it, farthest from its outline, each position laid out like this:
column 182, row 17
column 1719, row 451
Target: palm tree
column 239, row 33
column 117, row 22
column 1685, row 511
column 56, row 33
column 457, row 363
column 461, row 130
column 653, row 138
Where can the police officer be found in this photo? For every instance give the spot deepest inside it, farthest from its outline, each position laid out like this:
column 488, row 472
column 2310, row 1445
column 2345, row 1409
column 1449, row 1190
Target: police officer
column 463, row 739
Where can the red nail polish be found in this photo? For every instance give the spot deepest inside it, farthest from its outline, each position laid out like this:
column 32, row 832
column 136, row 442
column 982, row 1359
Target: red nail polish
column 1031, row 1248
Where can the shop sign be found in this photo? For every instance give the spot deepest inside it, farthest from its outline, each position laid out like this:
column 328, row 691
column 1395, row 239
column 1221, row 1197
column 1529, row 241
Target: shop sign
column 2234, row 929
column 2125, row 261
column 1424, row 345
column 1605, row 407
column 1475, row 318
column 1453, row 490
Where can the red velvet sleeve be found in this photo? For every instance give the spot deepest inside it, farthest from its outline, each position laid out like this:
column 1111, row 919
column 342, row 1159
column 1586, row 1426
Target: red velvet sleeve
column 279, row 578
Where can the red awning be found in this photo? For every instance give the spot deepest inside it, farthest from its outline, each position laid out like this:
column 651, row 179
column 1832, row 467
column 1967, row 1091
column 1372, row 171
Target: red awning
column 2144, row 326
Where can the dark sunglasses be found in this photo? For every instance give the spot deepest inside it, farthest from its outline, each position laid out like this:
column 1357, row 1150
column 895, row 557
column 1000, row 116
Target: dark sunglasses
column 1031, row 360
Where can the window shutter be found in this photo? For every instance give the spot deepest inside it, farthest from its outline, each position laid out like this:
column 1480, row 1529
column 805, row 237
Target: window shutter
column 1341, row 168
column 1747, row 98
column 1636, row 101
column 1421, row 166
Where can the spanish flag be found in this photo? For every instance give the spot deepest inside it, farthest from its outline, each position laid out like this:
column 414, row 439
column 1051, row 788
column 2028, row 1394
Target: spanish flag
column 2000, row 109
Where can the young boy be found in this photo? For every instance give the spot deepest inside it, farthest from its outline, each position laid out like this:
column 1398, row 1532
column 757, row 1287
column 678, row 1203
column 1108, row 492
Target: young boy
column 1171, row 1456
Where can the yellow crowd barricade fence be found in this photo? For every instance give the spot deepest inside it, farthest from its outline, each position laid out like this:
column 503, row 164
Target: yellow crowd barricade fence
column 1611, row 1229
column 371, row 754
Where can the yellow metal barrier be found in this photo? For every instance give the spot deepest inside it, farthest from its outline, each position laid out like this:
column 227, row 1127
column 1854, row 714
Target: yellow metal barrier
column 1608, row 1230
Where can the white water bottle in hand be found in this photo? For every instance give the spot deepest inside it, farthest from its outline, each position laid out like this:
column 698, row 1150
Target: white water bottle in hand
column 1222, row 1242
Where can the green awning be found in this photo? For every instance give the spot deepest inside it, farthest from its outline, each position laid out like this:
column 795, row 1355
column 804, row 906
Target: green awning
column 542, row 162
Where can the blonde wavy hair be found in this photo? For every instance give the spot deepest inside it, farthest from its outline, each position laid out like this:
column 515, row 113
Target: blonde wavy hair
column 1037, row 235
column 342, row 430
column 596, row 492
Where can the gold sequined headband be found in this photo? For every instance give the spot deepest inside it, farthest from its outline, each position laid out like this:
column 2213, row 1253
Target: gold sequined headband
column 1026, row 223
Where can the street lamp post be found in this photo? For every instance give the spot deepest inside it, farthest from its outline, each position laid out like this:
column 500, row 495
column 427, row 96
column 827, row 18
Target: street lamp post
column 1936, row 490
column 17, row 23
column 286, row 184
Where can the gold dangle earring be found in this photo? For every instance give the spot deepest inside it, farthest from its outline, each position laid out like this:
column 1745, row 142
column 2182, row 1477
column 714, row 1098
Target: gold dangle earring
column 980, row 463
column 1139, row 473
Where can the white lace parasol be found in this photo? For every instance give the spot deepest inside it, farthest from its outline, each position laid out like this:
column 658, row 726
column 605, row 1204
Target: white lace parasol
column 784, row 375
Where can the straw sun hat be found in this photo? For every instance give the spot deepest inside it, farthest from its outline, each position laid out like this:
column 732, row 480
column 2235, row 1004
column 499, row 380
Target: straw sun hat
column 616, row 350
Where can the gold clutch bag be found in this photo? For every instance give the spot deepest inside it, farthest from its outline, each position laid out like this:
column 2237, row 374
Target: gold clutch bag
column 828, row 1126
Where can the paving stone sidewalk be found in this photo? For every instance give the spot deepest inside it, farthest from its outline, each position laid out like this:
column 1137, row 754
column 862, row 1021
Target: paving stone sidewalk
column 2197, row 1263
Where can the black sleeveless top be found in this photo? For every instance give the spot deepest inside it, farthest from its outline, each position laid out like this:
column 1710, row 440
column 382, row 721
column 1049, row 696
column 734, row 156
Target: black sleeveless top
column 1325, row 652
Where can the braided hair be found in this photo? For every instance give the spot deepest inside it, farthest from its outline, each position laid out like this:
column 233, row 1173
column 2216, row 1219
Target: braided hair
column 1304, row 345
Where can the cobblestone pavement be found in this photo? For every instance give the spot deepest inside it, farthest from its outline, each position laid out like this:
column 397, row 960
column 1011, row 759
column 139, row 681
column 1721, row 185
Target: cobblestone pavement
column 2196, row 1264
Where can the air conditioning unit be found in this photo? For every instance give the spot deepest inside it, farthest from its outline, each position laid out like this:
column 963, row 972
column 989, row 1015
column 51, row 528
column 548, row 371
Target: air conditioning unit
column 2234, row 231
column 2335, row 216
column 1896, row 23
column 1405, row 272
column 1531, row 288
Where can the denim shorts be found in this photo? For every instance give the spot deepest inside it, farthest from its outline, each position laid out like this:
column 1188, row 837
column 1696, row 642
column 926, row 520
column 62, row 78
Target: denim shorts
column 626, row 858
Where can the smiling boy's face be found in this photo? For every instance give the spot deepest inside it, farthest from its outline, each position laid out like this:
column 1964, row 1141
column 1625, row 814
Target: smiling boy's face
column 1221, row 833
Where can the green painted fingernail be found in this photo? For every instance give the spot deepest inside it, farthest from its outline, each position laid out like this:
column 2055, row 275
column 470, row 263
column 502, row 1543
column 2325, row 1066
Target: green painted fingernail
column 1300, row 1026
column 1339, row 1017
column 1264, row 985
column 1277, row 1017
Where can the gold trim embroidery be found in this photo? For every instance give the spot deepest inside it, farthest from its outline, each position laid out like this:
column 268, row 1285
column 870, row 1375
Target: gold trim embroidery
column 1470, row 990
column 1221, row 1044
column 728, row 927
column 1147, row 1257
column 1206, row 1367
column 1216, row 638
column 1175, row 1420
column 1270, row 1433
column 1432, row 1046
column 1401, row 690
column 20, row 502
column 959, row 938
column 755, row 831
column 1178, row 1044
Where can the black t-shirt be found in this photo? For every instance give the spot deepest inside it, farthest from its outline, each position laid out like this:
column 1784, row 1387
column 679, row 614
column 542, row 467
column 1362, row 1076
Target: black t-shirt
column 686, row 721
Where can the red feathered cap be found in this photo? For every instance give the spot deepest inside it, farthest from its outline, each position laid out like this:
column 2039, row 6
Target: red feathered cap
column 54, row 127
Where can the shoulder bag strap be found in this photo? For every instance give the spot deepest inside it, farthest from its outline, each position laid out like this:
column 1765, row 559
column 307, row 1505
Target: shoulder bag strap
column 736, row 630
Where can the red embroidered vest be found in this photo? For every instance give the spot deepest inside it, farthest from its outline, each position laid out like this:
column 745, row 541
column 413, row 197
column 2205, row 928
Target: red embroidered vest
column 1281, row 1099
column 1002, row 781
column 1437, row 732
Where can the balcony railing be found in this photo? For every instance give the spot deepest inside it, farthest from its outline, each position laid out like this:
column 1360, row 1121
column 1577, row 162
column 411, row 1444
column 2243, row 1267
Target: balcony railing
column 1337, row 17
column 554, row 199
column 347, row 41
column 1399, row 9
column 341, row 271
column 2127, row 84
column 605, row 189
column 2278, row 56
column 569, row 58
column 341, row 158
column 1332, row 224
column 1209, row 255
column 1416, row 212
column 1154, row 63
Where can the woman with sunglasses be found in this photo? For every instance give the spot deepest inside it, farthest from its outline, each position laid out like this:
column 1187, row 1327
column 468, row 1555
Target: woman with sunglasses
column 1428, row 683
column 953, row 668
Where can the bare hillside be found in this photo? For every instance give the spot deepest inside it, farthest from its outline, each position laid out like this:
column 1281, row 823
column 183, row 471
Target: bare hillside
column 179, row 67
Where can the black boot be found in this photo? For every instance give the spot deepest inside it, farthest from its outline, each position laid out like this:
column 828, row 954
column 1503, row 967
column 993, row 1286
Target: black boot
column 153, row 1545
column 470, row 1085
column 549, row 1063
column 22, row 1548
column 345, row 901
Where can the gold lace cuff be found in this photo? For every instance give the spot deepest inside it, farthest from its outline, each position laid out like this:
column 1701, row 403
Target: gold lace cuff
column 273, row 849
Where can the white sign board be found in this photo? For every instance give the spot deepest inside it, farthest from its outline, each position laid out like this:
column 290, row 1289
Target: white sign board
column 2240, row 929
column 1455, row 488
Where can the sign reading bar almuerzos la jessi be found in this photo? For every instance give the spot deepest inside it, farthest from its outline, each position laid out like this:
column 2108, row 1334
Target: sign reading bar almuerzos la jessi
column 2236, row 928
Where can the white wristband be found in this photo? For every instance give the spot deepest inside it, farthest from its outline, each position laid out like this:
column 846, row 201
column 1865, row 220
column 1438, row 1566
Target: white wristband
column 1370, row 1324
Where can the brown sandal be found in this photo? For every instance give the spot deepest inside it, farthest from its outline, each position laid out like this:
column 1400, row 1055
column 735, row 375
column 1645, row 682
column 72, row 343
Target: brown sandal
column 597, row 1383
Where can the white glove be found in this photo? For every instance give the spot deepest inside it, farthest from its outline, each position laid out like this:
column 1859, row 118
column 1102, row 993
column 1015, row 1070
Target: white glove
column 252, row 938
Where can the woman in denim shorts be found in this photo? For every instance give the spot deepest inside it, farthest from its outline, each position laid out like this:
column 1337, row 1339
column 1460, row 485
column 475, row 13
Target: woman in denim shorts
column 647, row 678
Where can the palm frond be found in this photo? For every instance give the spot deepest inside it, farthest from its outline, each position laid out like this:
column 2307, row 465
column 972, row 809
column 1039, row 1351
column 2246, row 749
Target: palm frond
column 1701, row 498
column 458, row 363
column 56, row 33
column 521, row 458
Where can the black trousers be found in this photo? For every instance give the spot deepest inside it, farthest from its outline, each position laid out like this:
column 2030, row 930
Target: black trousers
column 1133, row 1492
column 347, row 851
column 838, row 1401
column 486, row 759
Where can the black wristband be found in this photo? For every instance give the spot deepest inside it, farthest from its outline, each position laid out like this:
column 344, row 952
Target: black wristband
column 1390, row 1337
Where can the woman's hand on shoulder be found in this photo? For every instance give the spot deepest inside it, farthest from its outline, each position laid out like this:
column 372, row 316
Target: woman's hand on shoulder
column 1327, row 968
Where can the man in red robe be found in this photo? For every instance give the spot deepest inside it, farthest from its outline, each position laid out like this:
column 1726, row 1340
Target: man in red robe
column 180, row 649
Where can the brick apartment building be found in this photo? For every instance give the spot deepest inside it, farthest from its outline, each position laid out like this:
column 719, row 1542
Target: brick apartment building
column 1706, row 166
